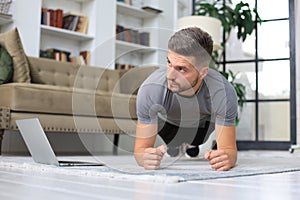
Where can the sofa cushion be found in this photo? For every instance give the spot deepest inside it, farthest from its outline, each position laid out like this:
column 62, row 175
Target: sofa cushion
column 38, row 98
column 6, row 66
column 12, row 43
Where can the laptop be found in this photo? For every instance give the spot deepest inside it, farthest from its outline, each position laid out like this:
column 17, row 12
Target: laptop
column 39, row 146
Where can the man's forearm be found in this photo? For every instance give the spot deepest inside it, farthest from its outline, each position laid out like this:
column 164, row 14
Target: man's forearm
column 138, row 155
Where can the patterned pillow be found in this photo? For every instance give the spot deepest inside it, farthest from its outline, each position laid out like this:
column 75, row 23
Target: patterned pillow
column 11, row 41
column 6, row 66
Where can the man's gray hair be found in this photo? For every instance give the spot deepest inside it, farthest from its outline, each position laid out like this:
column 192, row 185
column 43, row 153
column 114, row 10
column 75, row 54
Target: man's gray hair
column 193, row 42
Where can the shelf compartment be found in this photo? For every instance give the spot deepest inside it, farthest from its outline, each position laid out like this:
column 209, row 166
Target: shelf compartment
column 129, row 47
column 125, row 9
column 65, row 33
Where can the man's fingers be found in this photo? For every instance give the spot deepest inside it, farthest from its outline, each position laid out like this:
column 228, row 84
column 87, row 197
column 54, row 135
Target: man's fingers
column 152, row 158
column 148, row 156
column 162, row 148
column 218, row 160
column 155, row 151
column 207, row 154
column 222, row 166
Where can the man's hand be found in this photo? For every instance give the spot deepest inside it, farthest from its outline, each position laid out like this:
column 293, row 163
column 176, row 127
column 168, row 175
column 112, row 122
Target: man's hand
column 153, row 156
column 218, row 159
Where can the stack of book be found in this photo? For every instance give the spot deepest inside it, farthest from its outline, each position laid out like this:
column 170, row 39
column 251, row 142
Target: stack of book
column 52, row 17
column 75, row 22
column 71, row 21
column 131, row 35
column 60, row 55
column 123, row 66
column 56, row 54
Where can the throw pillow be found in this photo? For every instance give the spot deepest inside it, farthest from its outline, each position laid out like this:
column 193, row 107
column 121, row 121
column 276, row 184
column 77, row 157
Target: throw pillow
column 6, row 66
column 12, row 43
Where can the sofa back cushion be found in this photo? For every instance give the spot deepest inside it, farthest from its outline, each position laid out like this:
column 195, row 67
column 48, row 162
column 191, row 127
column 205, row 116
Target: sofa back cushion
column 12, row 43
column 132, row 79
column 51, row 72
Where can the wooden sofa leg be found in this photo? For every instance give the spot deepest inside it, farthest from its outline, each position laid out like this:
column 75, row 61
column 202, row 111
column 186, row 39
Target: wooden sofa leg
column 1, row 138
column 116, row 144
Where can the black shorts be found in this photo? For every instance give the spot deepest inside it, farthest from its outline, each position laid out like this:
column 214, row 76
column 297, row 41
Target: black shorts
column 174, row 136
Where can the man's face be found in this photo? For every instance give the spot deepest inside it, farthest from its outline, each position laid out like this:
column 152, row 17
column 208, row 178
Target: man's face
column 182, row 76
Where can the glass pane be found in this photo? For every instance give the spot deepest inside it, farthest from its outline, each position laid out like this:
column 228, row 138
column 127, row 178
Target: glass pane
column 273, row 40
column 274, row 80
column 274, row 121
column 245, row 130
column 238, row 50
column 270, row 9
column 245, row 74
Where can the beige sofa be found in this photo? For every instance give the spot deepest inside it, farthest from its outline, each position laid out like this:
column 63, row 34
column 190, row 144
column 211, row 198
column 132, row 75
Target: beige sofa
column 67, row 97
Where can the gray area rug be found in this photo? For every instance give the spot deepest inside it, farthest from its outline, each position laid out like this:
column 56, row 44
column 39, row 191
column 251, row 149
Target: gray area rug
column 173, row 169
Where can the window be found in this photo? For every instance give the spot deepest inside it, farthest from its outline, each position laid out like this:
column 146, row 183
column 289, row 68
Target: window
column 265, row 64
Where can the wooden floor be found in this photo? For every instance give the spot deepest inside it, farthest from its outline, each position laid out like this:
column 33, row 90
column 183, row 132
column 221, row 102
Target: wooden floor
column 16, row 184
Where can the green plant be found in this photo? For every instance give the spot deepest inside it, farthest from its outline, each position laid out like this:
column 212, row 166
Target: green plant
column 240, row 18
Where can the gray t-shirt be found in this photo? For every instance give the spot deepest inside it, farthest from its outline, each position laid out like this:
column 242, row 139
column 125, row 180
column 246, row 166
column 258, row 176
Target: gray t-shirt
column 215, row 101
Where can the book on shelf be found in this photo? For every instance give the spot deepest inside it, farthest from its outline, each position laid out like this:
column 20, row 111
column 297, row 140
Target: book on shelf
column 78, row 60
column 86, row 56
column 144, row 38
column 56, row 54
column 123, row 66
column 75, row 22
column 82, row 25
column 132, row 35
column 61, row 55
column 52, row 17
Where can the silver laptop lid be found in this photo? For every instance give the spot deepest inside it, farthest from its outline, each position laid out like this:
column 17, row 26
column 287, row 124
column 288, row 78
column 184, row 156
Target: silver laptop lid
column 37, row 141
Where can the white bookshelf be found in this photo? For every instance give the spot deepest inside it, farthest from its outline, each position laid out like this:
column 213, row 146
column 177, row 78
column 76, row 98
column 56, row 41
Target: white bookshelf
column 142, row 21
column 67, row 34
column 133, row 11
column 100, row 39
column 127, row 46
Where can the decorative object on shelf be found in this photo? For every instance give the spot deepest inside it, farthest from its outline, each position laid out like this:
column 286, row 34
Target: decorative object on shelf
column 5, row 6
column 151, row 9
column 208, row 24
column 128, row 2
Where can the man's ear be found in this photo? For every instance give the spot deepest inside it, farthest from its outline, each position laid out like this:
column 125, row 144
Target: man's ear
column 203, row 72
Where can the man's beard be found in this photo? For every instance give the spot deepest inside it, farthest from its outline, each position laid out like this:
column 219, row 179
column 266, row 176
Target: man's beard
column 185, row 88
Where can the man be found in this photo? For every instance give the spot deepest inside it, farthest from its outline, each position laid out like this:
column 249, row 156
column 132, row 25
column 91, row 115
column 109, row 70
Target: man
column 185, row 103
